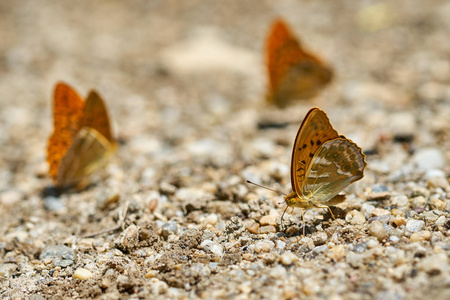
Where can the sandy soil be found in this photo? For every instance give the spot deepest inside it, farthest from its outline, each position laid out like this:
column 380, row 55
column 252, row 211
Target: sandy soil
column 171, row 216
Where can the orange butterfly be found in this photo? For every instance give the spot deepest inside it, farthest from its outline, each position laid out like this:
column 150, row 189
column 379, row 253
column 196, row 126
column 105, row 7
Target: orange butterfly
column 81, row 140
column 323, row 164
column 294, row 73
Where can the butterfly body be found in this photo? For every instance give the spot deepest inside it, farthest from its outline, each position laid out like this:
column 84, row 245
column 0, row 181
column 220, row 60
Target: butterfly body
column 323, row 163
column 81, row 141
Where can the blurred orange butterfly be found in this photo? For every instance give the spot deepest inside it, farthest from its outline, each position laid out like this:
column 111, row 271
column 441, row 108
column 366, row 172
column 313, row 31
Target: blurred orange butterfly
column 81, row 140
column 293, row 72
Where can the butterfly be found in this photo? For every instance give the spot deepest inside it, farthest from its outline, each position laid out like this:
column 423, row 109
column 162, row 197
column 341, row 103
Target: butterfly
column 81, row 140
column 294, row 73
column 323, row 164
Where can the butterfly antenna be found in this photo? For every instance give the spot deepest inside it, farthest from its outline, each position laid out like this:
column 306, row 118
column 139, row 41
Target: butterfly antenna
column 278, row 192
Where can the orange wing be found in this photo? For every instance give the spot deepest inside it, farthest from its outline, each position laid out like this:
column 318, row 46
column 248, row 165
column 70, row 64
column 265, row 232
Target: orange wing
column 314, row 131
column 67, row 112
column 293, row 72
column 95, row 116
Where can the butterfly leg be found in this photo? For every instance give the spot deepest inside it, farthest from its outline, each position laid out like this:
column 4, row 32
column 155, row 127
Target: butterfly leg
column 303, row 221
column 283, row 215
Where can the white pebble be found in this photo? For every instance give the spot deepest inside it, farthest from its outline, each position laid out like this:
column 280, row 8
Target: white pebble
column 288, row 258
column 280, row 245
column 377, row 230
column 372, row 243
column 355, row 217
column 394, row 238
column 263, row 246
column 211, row 219
column 212, row 247
column 414, row 225
column 83, row 274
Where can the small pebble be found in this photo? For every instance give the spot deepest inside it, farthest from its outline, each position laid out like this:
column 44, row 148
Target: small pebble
column 354, row 259
column 377, row 230
column 7, row 269
column 268, row 220
column 128, row 239
column 61, row 256
column 211, row 219
column 440, row 221
column 308, row 242
column 372, row 243
column 437, row 182
column 432, row 215
column 355, row 218
column 252, row 226
column 367, row 209
column 212, row 247
column 400, row 200
column 263, row 246
column 437, row 204
column 83, row 274
column 418, row 202
column 288, row 258
column 378, row 212
column 280, row 245
column 399, row 221
column 319, row 238
column 320, row 249
column 267, row 229
column 169, row 228
column 394, row 238
column 420, row 236
column 414, row 225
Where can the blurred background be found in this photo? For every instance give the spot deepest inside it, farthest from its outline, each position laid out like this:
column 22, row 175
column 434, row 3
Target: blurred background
column 191, row 74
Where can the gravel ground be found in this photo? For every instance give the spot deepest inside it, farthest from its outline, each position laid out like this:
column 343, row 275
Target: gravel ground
column 171, row 215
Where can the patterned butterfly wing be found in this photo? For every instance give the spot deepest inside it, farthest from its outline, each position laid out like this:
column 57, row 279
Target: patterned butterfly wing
column 293, row 72
column 95, row 116
column 67, row 112
column 313, row 133
column 88, row 153
column 335, row 165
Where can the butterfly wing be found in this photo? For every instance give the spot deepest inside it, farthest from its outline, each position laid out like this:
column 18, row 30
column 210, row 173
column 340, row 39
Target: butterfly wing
column 335, row 165
column 95, row 116
column 313, row 133
column 88, row 153
column 293, row 72
column 303, row 81
column 67, row 112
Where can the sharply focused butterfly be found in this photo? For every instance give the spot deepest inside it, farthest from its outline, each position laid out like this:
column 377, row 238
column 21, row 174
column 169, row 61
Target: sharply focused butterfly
column 81, row 140
column 293, row 72
column 323, row 164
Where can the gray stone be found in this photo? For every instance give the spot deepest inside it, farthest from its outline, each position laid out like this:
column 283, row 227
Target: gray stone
column 169, row 228
column 414, row 225
column 61, row 256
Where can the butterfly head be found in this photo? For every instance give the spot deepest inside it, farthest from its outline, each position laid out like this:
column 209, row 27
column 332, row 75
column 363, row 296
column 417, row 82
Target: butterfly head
column 294, row 200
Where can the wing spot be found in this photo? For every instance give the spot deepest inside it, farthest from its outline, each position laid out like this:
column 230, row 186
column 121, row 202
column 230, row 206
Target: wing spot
column 311, row 142
column 318, row 142
column 311, row 155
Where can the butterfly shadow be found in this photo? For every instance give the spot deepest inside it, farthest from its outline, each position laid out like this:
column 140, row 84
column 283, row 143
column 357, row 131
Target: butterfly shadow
column 56, row 191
